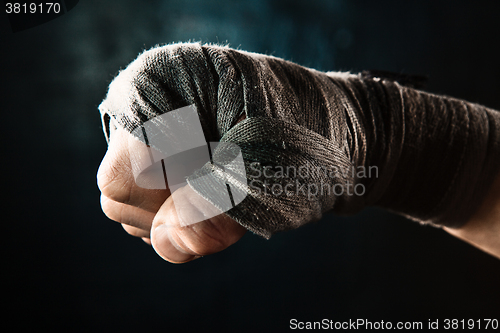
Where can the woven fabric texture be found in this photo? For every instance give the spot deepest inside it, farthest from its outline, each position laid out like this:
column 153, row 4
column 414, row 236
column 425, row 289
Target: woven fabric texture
column 314, row 142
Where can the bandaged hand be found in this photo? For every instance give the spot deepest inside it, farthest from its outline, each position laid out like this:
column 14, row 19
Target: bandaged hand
column 311, row 142
column 150, row 214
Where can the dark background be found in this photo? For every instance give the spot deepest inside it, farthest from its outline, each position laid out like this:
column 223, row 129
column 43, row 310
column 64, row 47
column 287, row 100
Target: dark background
column 68, row 266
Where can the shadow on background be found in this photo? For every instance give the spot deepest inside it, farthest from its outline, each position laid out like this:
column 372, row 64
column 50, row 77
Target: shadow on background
column 68, row 266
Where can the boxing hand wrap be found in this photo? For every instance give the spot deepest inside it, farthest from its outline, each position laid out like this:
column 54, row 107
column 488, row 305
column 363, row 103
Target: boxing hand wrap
column 314, row 142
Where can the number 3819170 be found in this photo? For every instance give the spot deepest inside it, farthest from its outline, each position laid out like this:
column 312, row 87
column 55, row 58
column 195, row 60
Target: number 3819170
column 32, row 8
column 454, row 324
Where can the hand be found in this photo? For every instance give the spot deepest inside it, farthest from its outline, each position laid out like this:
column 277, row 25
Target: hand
column 298, row 117
column 150, row 214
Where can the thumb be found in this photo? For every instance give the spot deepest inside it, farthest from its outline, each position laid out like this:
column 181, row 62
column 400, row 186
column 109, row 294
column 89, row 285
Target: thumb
column 187, row 227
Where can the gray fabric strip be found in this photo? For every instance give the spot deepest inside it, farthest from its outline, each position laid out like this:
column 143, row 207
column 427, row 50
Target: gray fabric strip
column 435, row 156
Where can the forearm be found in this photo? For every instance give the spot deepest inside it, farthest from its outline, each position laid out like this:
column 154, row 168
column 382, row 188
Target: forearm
column 436, row 156
column 483, row 229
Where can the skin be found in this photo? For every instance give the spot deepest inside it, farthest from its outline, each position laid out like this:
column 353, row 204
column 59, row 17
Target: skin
column 151, row 215
column 483, row 229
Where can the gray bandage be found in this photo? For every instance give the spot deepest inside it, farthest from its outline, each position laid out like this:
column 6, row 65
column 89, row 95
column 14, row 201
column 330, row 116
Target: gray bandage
column 313, row 142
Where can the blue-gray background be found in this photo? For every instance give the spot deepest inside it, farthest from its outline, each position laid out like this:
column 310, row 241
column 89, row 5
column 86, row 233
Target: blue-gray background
column 66, row 265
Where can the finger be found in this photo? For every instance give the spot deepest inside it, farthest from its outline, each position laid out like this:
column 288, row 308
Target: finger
column 136, row 232
column 127, row 214
column 115, row 177
column 177, row 242
column 146, row 240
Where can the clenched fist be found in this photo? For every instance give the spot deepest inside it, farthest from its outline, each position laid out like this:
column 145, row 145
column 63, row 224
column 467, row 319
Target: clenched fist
column 436, row 156
column 151, row 215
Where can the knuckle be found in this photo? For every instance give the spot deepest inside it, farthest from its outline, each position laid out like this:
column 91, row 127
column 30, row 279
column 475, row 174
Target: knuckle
column 112, row 183
column 106, row 174
column 109, row 209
